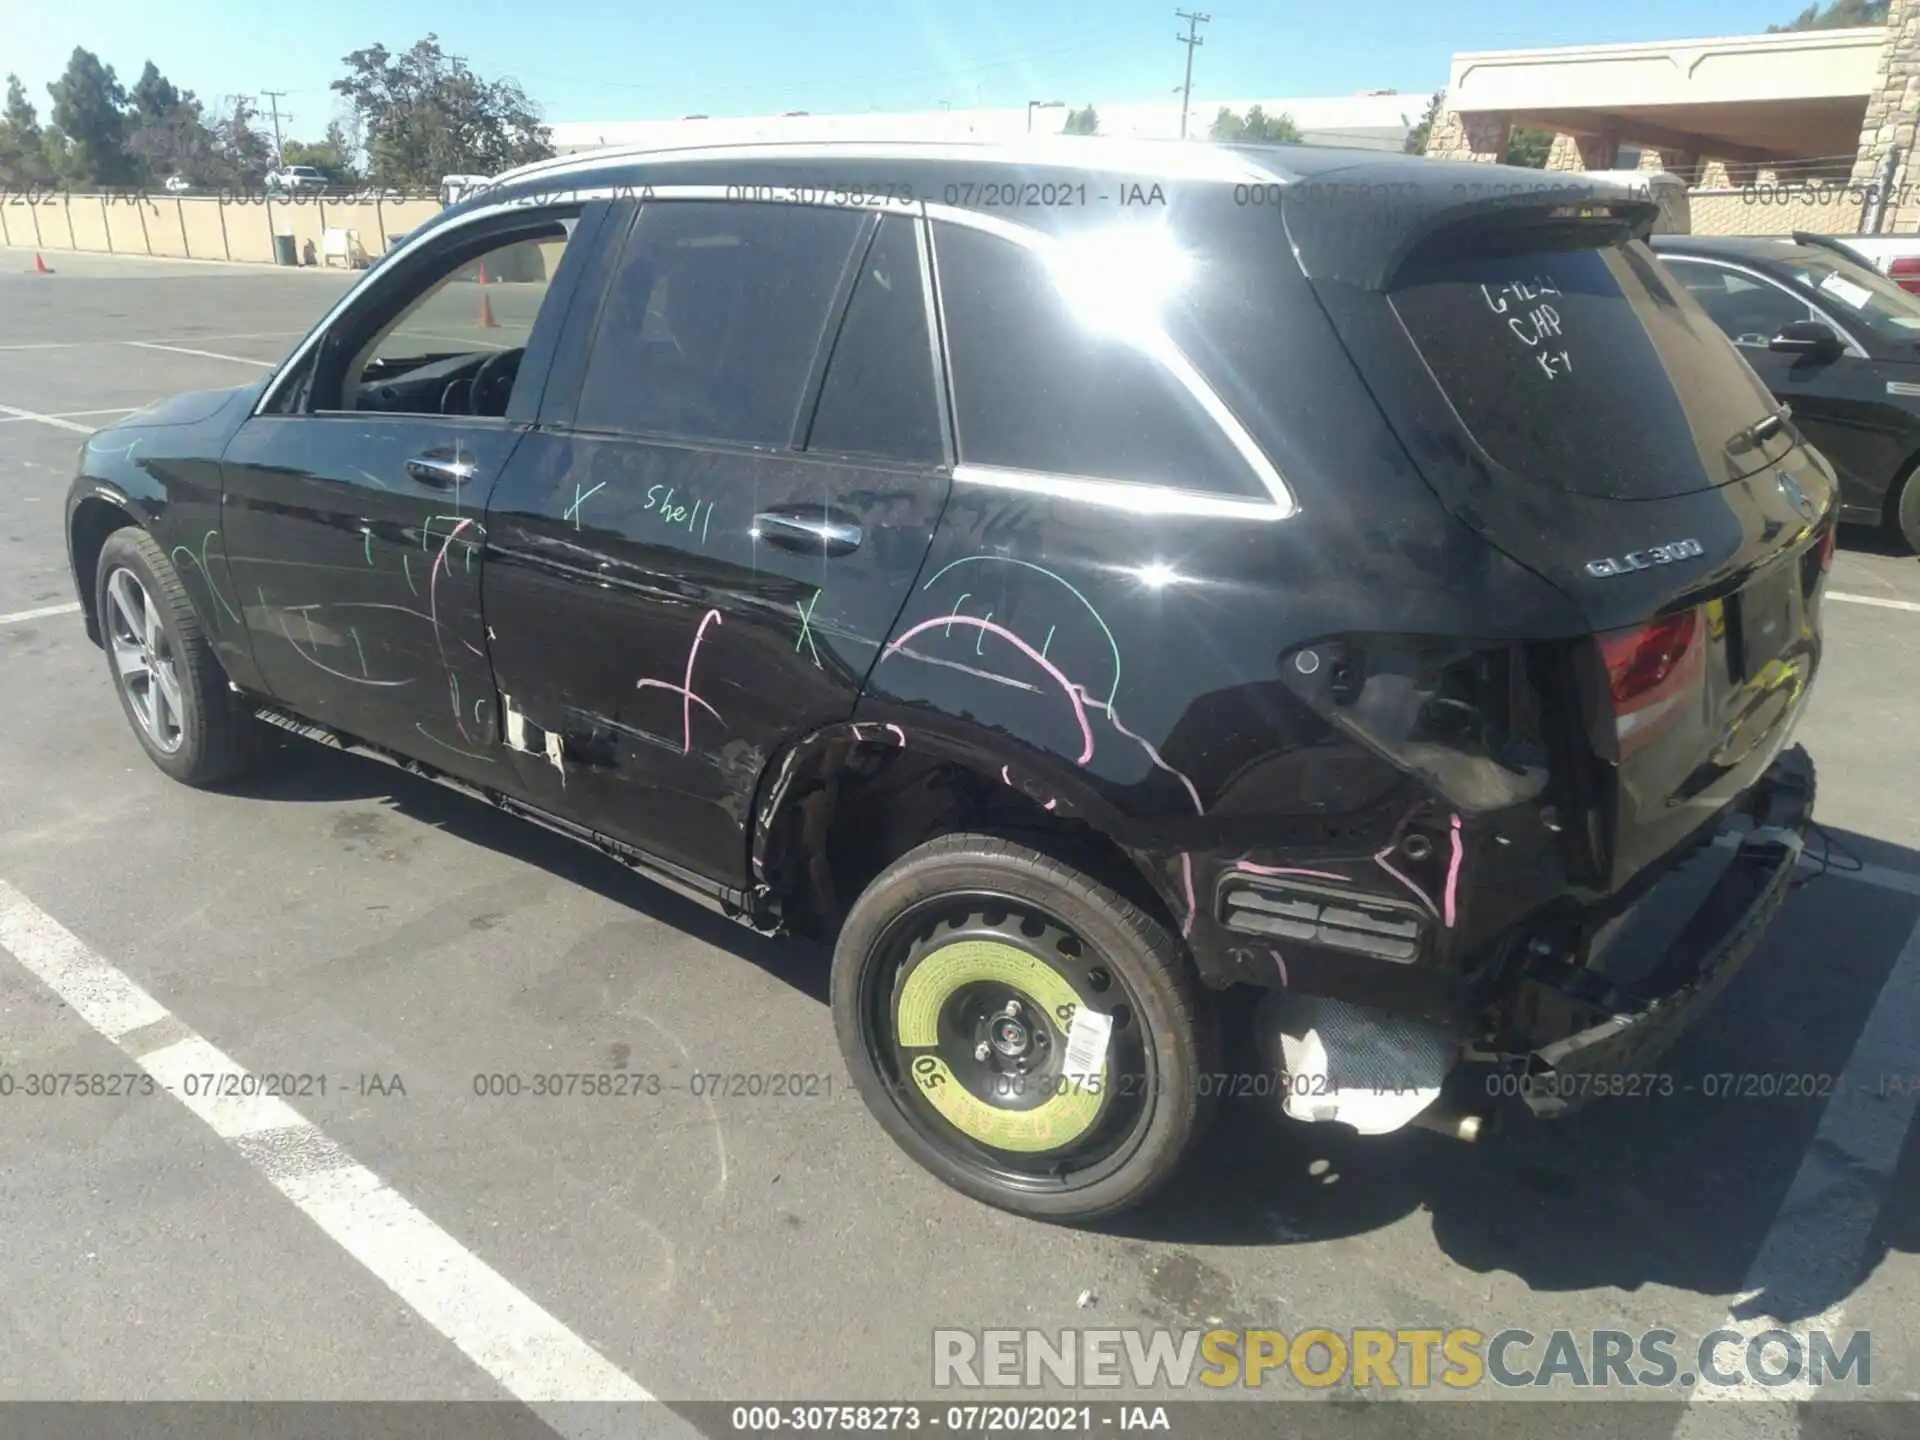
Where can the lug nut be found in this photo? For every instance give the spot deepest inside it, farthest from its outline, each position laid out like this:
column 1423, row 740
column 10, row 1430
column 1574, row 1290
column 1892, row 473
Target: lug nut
column 1013, row 1009
column 980, row 1051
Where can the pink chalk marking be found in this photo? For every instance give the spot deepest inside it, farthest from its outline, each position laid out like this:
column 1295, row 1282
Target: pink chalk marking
column 1280, row 960
column 1418, row 893
column 1193, row 906
column 899, row 735
column 1453, row 873
column 686, row 708
column 1152, row 754
column 685, row 691
column 1050, row 804
column 433, row 608
column 1254, row 869
column 1072, row 690
column 1005, row 776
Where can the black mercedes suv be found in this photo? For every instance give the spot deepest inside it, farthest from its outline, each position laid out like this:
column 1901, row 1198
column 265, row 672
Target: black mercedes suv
column 1092, row 585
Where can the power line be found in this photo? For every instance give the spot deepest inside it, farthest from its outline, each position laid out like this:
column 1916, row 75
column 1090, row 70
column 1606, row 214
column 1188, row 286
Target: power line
column 1192, row 41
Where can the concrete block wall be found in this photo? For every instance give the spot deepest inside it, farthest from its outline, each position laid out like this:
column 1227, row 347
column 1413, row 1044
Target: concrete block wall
column 200, row 227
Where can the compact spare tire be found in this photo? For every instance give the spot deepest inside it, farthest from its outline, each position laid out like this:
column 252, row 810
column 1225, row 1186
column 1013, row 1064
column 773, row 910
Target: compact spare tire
column 1023, row 1030
column 171, row 685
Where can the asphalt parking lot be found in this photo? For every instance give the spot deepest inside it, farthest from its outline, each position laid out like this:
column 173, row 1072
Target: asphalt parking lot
column 337, row 918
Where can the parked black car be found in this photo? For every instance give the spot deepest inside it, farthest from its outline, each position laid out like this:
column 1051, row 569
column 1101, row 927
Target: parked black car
column 1078, row 581
column 1833, row 338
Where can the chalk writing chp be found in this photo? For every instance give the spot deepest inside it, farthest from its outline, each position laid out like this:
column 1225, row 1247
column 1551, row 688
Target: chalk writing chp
column 1533, row 318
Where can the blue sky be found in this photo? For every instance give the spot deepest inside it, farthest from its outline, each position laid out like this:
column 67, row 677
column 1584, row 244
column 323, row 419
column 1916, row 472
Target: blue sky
column 596, row 60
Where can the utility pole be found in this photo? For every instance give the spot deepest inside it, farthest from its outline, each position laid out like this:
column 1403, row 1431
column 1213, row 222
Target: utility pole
column 1191, row 39
column 274, row 97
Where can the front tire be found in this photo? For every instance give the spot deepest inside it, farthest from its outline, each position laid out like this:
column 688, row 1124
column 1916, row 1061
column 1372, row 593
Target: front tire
column 171, row 685
column 972, row 984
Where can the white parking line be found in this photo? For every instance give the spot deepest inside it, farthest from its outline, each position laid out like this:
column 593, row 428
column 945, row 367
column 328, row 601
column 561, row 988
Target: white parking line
column 530, row 1353
column 19, row 414
column 205, row 354
column 1814, row 1247
column 164, row 340
column 19, row 616
column 1874, row 600
column 73, row 414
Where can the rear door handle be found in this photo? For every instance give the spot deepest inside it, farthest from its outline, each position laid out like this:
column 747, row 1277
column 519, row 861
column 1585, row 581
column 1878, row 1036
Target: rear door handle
column 442, row 469
column 809, row 532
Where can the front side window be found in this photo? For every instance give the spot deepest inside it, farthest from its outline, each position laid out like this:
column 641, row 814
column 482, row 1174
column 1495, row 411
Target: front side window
column 1041, row 383
column 452, row 344
column 1751, row 311
column 713, row 318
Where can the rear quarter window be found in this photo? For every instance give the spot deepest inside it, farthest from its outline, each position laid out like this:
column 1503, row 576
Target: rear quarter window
column 1585, row 368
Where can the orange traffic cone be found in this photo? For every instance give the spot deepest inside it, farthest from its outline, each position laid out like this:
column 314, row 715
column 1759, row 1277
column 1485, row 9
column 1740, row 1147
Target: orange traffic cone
column 39, row 265
column 487, row 322
column 482, row 277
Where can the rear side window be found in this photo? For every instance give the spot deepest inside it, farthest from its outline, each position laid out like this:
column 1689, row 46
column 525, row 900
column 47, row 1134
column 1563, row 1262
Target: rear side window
column 1585, row 368
column 1036, row 388
column 878, row 398
column 713, row 318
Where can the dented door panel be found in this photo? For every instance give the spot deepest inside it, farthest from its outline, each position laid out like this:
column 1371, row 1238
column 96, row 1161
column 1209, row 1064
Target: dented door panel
column 658, row 641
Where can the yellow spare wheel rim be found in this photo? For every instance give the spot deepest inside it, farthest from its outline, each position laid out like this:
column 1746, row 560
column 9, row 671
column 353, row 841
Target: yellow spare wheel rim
column 1071, row 1103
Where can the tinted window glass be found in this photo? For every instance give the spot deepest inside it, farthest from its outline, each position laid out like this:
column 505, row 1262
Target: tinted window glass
column 1750, row 311
column 713, row 318
column 1586, row 368
column 1036, row 389
column 878, row 398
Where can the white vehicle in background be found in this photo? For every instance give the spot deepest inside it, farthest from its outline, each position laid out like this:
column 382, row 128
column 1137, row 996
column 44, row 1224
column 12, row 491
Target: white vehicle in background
column 178, row 185
column 297, row 180
column 455, row 188
column 1895, row 256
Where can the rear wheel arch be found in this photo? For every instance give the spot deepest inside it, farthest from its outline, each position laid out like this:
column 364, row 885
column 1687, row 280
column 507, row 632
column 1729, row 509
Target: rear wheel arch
column 93, row 520
column 844, row 803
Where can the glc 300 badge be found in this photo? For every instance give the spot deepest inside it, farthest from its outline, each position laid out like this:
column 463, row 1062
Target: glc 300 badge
column 1646, row 559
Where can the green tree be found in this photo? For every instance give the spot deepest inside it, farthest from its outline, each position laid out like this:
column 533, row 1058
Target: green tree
column 1528, row 146
column 425, row 116
column 1082, row 122
column 1258, row 128
column 154, row 97
column 1838, row 14
column 1421, row 135
column 89, row 114
column 241, row 152
column 168, row 133
column 23, row 145
column 332, row 156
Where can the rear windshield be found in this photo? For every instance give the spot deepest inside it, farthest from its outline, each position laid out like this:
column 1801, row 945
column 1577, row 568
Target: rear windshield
column 1585, row 368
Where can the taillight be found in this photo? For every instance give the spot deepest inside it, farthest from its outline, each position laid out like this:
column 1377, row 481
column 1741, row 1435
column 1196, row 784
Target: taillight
column 1905, row 272
column 1652, row 671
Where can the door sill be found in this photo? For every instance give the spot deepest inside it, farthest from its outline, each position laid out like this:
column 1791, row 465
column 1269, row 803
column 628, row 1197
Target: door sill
column 741, row 906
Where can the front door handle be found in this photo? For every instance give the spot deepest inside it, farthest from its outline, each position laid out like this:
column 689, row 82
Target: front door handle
column 810, row 532
column 442, row 469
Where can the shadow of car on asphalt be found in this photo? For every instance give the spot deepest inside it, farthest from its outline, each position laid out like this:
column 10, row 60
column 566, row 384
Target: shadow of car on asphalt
column 1675, row 1190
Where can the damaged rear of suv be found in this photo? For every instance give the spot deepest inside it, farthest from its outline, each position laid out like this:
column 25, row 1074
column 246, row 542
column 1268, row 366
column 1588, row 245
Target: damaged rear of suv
column 1435, row 752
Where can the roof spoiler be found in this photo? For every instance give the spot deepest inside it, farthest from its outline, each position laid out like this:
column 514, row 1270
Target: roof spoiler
column 1358, row 225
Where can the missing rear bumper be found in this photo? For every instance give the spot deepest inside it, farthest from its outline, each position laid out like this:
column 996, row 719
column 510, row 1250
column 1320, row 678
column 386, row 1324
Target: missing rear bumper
column 1617, row 1011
